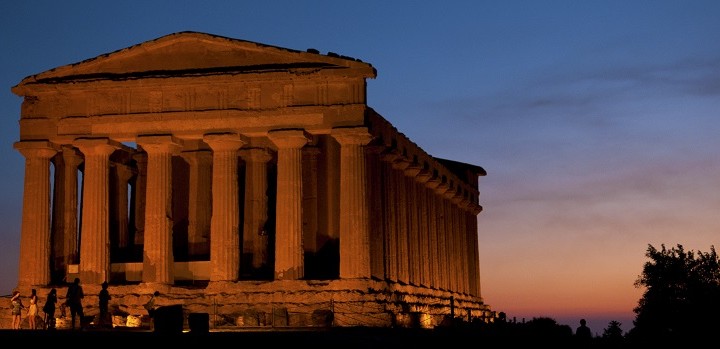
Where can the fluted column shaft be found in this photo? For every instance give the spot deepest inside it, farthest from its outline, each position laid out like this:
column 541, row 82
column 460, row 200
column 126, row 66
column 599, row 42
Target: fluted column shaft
column 139, row 199
column 376, row 205
column 403, row 231
column 65, row 208
column 462, row 248
column 289, row 256
column 354, row 213
column 423, row 234
column 473, row 223
column 310, row 198
column 199, row 200
column 95, row 228
column 443, row 232
column 158, row 261
column 225, row 221
column 35, row 232
column 432, row 222
column 255, row 239
column 121, row 215
column 413, row 224
column 390, row 217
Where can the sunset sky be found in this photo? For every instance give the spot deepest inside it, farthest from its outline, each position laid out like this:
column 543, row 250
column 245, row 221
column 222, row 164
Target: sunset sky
column 598, row 122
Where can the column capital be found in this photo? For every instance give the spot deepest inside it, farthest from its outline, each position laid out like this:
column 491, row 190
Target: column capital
column 260, row 155
column 374, row 149
column 96, row 146
column 124, row 172
column 442, row 188
column 351, row 135
column 36, row 149
column 197, row 156
column 412, row 169
column 401, row 163
column 225, row 141
column 289, row 139
column 311, row 151
column 390, row 155
column 432, row 182
column 160, row 143
column 459, row 198
column 423, row 176
column 71, row 155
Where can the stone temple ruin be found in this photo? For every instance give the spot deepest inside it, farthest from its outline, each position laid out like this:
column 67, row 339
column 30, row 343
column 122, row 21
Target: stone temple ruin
column 244, row 181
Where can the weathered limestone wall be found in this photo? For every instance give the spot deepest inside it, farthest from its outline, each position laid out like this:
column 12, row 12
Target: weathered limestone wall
column 286, row 303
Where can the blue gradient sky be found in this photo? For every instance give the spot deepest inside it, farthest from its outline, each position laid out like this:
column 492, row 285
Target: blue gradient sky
column 598, row 122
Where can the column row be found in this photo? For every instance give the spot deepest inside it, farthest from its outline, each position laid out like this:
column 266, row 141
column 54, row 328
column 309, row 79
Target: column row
column 155, row 222
column 429, row 230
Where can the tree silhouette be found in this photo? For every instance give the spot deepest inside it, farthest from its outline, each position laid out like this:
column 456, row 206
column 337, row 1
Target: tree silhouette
column 682, row 295
column 613, row 333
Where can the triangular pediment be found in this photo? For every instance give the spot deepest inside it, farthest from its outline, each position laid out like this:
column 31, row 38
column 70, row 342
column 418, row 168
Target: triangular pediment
column 194, row 52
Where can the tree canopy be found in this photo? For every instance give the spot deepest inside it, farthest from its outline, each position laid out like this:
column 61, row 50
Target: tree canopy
column 682, row 294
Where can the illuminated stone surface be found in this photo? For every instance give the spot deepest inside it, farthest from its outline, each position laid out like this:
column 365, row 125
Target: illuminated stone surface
column 242, row 180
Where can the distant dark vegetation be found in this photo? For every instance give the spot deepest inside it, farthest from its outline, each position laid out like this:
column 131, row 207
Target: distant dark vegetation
column 681, row 304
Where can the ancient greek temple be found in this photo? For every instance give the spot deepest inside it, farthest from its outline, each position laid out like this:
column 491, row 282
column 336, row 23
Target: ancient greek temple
column 243, row 180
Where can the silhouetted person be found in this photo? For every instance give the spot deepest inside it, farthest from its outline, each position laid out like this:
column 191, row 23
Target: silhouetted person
column 73, row 298
column 583, row 332
column 49, row 309
column 151, row 306
column 33, row 310
column 104, row 299
column 17, row 308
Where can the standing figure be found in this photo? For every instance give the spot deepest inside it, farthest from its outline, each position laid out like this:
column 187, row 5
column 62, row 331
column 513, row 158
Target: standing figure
column 151, row 306
column 33, row 310
column 73, row 298
column 104, row 299
column 49, row 309
column 17, row 307
column 583, row 332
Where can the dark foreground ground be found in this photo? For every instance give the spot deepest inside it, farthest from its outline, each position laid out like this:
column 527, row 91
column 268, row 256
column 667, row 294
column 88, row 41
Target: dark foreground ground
column 337, row 338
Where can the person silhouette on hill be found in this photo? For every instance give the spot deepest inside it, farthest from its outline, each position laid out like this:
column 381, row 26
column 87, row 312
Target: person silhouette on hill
column 583, row 332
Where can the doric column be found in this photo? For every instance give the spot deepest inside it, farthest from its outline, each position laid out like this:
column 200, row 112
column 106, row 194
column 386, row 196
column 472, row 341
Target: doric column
column 423, row 233
column 433, row 219
column 354, row 214
column 139, row 197
column 443, row 235
column 225, row 221
column 475, row 209
column 158, row 261
column 413, row 224
column 376, row 191
column 199, row 200
column 467, row 240
column 95, row 228
column 65, row 209
column 452, row 240
column 390, row 218
column 35, row 232
column 462, row 247
column 403, row 235
column 310, row 198
column 255, row 238
column 123, row 175
column 289, row 264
